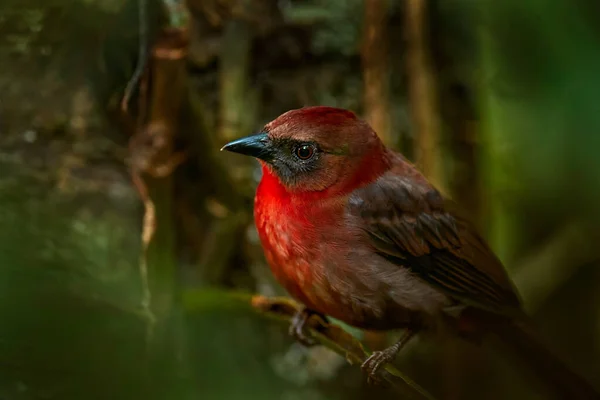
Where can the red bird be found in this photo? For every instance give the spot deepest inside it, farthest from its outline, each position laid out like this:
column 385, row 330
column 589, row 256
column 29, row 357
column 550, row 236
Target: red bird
column 353, row 231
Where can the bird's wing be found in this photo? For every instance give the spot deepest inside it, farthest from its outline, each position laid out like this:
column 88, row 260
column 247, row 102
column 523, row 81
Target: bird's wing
column 409, row 223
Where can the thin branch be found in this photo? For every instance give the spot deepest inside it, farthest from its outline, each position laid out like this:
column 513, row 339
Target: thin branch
column 149, row 225
column 557, row 261
column 283, row 309
column 142, row 54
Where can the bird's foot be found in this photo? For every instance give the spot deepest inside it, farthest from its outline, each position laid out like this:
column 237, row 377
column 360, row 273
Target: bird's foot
column 298, row 326
column 372, row 364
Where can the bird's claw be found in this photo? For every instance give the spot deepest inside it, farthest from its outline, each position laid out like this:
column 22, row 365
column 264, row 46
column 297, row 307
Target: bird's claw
column 298, row 327
column 372, row 365
column 298, row 333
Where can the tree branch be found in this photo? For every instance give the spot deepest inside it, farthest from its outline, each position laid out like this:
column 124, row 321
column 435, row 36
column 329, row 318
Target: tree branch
column 283, row 309
column 557, row 261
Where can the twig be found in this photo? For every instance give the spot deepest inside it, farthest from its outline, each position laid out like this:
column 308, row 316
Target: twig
column 148, row 227
column 283, row 309
column 557, row 260
column 142, row 55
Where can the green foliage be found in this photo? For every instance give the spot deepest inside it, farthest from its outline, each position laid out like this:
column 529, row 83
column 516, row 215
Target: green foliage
column 541, row 108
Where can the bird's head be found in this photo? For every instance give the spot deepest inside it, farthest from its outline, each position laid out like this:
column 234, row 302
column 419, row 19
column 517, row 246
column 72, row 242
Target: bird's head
column 315, row 148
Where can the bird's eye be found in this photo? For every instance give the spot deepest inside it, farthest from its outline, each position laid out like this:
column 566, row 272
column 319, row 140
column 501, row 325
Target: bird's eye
column 304, row 151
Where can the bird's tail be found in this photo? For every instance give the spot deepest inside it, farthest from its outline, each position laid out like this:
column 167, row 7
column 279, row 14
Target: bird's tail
column 526, row 343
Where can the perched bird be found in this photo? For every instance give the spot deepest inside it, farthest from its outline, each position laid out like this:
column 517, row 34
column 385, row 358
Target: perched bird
column 354, row 231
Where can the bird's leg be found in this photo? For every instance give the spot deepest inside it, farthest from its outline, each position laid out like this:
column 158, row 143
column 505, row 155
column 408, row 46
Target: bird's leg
column 298, row 326
column 378, row 358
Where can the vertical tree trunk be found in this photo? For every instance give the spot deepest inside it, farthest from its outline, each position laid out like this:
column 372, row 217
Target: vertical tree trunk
column 464, row 146
column 235, row 115
column 237, row 109
column 426, row 118
column 423, row 92
column 376, row 69
column 153, row 160
column 461, row 363
column 238, row 115
column 167, row 90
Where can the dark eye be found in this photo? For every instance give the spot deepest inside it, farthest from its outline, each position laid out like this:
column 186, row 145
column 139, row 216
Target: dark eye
column 304, row 151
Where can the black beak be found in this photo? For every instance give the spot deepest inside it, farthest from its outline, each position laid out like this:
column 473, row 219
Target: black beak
column 258, row 146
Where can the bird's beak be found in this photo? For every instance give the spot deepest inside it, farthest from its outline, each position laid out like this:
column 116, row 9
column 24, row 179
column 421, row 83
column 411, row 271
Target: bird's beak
column 258, row 145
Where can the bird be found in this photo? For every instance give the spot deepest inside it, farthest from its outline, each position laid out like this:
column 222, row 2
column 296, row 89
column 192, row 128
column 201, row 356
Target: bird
column 354, row 231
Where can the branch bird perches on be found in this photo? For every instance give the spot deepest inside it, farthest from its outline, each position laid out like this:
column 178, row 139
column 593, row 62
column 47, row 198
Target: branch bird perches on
column 331, row 336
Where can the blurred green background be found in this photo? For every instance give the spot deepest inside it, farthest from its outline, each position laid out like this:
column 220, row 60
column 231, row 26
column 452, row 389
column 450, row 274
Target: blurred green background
column 498, row 102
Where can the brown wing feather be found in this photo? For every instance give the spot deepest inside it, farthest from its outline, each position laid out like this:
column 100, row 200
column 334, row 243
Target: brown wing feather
column 409, row 224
